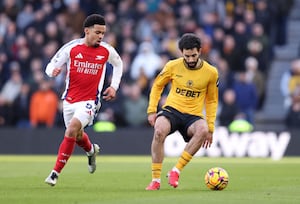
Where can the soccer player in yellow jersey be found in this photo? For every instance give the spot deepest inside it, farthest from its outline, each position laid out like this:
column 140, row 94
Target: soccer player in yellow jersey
column 194, row 87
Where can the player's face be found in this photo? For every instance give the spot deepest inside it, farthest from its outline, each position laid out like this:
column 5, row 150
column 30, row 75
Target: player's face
column 191, row 57
column 94, row 35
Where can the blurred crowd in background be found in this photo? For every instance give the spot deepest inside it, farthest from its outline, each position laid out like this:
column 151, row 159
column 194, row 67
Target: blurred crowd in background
column 238, row 37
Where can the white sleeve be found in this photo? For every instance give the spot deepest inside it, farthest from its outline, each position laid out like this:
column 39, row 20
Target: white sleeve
column 115, row 60
column 58, row 60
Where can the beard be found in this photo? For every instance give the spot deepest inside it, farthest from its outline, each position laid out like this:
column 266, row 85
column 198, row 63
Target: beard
column 191, row 65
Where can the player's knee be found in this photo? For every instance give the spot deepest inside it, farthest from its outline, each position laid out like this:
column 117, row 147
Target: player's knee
column 203, row 130
column 201, row 133
column 160, row 134
column 72, row 131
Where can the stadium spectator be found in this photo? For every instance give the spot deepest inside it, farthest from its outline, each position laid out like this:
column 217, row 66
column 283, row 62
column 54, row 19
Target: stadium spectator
column 25, row 16
column 10, row 39
column 217, row 38
column 249, row 20
column 9, row 93
column 53, row 33
column 228, row 25
column 43, row 106
column 22, row 55
column 22, row 106
column 292, row 119
column 263, row 15
column 135, row 106
column 141, row 70
column 246, row 96
column 48, row 50
column 230, row 52
column 36, row 73
column 287, row 85
column 229, row 108
column 294, row 81
column 255, row 76
column 255, row 49
column 259, row 34
column 40, row 19
column 280, row 10
column 10, row 9
column 214, row 7
column 226, row 77
column 4, row 68
column 186, row 18
column 241, row 37
column 36, row 41
column 169, row 43
column 74, row 16
column 143, row 29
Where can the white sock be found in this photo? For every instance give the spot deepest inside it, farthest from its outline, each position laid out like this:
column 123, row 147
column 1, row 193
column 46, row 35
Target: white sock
column 156, row 179
column 91, row 152
column 175, row 169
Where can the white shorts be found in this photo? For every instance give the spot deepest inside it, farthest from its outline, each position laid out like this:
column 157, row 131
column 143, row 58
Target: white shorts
column 84, row 111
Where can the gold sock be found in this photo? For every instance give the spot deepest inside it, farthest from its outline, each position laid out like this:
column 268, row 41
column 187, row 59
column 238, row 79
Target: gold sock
column 184, row 159
column 156, row 170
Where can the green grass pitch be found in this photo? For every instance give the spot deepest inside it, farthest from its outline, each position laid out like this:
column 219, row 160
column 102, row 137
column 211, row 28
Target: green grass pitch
column 122, row 180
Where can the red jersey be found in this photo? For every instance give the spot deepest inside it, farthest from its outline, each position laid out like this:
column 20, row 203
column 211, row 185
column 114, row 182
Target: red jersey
column 86, row 68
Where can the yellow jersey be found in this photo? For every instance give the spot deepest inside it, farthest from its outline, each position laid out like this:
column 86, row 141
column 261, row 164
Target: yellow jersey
column 192, row 90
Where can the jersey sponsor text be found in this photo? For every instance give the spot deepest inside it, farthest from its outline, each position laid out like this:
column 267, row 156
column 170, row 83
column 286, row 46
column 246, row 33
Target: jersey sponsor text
column 87, row 67
column 188, row 93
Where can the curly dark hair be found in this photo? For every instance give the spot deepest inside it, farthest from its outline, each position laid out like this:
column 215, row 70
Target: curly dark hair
column 94, row 19
column 189, row 41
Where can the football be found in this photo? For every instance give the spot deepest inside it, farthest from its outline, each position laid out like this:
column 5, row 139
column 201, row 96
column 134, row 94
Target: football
column 216, row 178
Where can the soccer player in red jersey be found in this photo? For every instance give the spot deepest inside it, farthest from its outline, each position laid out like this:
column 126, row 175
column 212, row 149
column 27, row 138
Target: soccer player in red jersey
column 194, row 87
column 85, row 59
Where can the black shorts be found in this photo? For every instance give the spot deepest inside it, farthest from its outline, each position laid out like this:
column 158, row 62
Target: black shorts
column 179, row 121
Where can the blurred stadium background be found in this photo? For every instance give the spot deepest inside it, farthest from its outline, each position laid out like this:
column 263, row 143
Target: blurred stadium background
column 253, row 43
